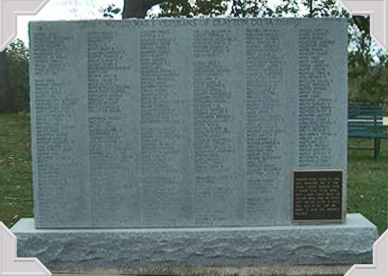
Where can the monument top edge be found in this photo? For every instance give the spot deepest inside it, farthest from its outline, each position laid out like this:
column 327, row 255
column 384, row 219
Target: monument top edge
column 168, row 19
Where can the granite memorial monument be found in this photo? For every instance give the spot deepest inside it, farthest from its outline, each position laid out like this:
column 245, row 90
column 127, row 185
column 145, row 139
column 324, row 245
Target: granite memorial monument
column 190, row 143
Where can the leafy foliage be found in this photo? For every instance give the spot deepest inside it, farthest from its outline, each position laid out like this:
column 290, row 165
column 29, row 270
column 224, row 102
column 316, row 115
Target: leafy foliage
column 251, row 8
column 177, row 8
column 18, row 60
column 111, row 11
column 6, row 96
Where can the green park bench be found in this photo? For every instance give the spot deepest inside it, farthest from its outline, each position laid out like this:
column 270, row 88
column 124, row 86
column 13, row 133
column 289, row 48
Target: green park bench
column 366, row 122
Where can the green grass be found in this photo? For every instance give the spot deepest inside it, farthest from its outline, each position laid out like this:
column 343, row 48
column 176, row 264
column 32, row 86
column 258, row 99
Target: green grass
column 15, row 168
column 367, row 180
column 368, row 183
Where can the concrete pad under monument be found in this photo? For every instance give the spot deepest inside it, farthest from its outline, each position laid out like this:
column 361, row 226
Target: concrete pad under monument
column 190, row 143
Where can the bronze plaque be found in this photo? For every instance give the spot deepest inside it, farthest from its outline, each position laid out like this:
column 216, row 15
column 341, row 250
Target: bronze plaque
column 317, row 195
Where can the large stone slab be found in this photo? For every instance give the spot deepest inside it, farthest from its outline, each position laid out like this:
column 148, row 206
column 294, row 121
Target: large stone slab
column 60, row 249
column 183, row 122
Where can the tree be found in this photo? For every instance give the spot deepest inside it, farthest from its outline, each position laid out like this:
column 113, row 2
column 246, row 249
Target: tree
column 131, row 8
column 18, row 61
column 138, row 8
column 6, row 97
column 185, row 8
column 169, row 8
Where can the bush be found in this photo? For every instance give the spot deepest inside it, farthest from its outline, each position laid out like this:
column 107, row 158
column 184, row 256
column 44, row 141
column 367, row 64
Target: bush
column 18, row 60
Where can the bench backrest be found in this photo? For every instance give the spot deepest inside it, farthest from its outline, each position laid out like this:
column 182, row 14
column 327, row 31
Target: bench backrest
column 365, row 121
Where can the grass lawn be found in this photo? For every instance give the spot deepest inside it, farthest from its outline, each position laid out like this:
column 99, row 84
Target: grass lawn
column 368, row 183
column 367, row 180
column 15, row 168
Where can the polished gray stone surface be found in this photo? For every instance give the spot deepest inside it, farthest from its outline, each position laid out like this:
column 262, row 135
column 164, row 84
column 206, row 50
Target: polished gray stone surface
column 62, row 249
column 183, row 122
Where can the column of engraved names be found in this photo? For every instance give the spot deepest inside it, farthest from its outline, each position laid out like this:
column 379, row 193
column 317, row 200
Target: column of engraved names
column 264, row 122
column 55, row 124
column 109, row 151
column 314, row 105
column 162, row 134
column 213, row 132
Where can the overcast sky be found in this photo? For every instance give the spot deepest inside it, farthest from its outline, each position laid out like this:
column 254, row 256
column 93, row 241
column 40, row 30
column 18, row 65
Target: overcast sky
column 65, row 10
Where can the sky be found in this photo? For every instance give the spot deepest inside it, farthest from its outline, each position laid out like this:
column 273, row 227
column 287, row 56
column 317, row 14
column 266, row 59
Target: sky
column 74, row 10
column 65, row 10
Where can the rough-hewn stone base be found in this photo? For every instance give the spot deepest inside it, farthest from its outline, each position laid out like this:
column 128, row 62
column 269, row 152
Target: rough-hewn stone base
column 64, row 249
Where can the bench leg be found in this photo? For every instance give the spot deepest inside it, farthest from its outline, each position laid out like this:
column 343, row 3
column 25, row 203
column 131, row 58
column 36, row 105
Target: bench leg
column 377, row 149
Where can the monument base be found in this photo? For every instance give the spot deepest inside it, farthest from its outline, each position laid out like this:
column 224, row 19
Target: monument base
column 123, row 249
